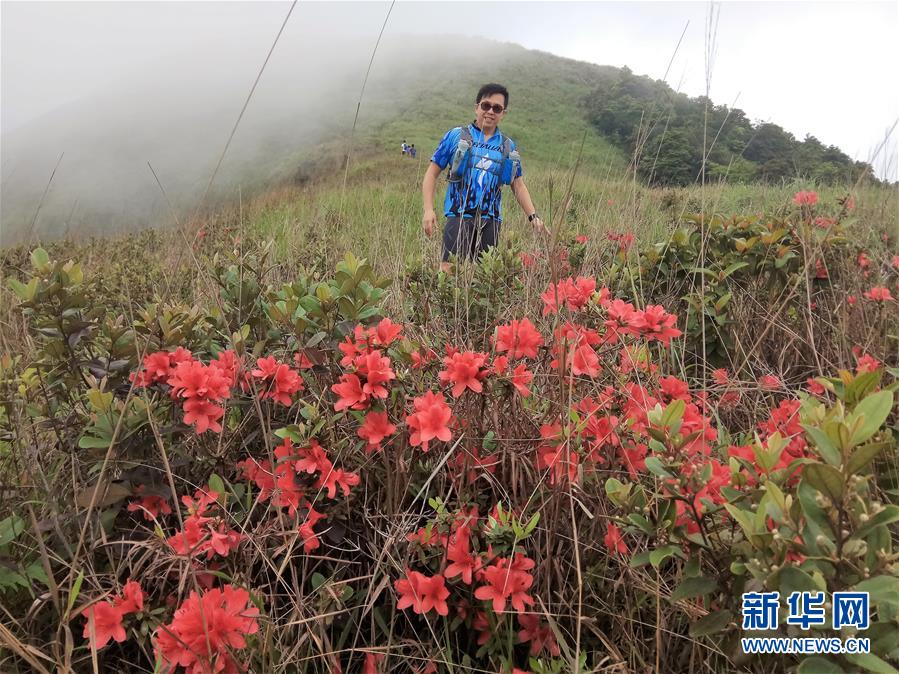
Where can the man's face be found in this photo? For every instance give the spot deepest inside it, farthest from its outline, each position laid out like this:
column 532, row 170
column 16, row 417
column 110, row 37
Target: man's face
column 490, row 118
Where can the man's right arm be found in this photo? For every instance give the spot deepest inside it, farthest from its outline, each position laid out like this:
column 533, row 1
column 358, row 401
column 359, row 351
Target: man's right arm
column 428, row 188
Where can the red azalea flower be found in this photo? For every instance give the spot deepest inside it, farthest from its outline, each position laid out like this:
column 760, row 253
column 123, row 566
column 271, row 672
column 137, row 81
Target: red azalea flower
column 721, row 376
column 613, row 540
column 387, row 332
column 771, row 382
column 192, row 379
column 374, row 429
column 506, row 581
column 879, row 294
column 132, row 599
column 464, row 563
column 151, row 505
column 311, row 459
column 204, row 414
column 207, row 629
column 655, row 323
column 464, row 370
column 584, row 361
column 106, row 621
column 337, row 477
column 351, row 394
column 521, row 377
column 229, row 364
column 422, row 359
column 500, row 364
column 805, row 198
column 377, row 372
column 422, row 593
column 372, row 660
column 302, row 361
column 673, row 388
column 307, row 533
column 814, row 387
column 520, row 338
column 430, row 420
column 867, row 363
column 538, row 633
column 280, row 381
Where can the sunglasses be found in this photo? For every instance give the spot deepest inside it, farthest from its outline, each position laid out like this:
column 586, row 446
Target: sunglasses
column 487, row 107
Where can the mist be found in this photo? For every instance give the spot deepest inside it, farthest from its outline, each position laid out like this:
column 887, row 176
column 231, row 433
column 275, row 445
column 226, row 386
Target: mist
column 175, row 113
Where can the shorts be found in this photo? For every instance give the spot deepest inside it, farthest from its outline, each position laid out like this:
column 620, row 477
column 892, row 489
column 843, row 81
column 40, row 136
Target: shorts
column 469, row 237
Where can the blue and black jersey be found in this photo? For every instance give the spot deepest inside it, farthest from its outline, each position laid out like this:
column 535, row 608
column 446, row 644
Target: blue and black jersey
column 479, row 190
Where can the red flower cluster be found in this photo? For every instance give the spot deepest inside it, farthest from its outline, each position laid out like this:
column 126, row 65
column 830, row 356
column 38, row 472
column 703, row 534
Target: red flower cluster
column 207, row 629
column 625, row 241
column 202, row 532
column 573, row 293
column 879, row 294
column 805, row 198
column 282, row 485
column 507, row 580
column 372, row 373
column 104, row 618
column 279, row 382
column 151, row 505
column 422, row 593
column 430, row 421
column 519, row 338
column 464, row 370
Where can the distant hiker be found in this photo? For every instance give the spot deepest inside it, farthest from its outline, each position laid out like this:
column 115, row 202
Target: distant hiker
column 481, row 160
column 405, row 147
column 412, row 151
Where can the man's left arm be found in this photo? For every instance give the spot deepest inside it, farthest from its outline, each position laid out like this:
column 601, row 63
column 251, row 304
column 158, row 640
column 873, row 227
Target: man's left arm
column 520, row 190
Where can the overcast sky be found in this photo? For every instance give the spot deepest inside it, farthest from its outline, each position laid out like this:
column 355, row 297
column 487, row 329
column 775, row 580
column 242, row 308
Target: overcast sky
column 824, row 68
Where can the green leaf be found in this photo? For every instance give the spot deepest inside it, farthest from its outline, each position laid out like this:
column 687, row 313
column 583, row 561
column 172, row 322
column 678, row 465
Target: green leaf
column 871, row 663
column 694, row 587
column 40, row 259
column 864, row 455
column 818, row 665
column 824, row 445
column 888, row 515
column 654, row 466
column 743, row 518
column 711, row 624
column 826, row 479
column 656, row 557
column 883, row 589
column 641, row 559
column 10, row 528
column 875, row 408
column 73, row 595
column 792, row 579
column 91, row 442
column 216, row 484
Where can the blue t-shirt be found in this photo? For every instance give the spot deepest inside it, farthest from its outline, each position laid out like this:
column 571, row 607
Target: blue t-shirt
column 479, row 188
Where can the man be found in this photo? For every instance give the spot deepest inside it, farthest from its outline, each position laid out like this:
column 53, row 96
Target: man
column 481, row 160
column 405, row 147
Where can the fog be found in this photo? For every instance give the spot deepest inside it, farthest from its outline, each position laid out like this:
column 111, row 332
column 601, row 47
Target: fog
column 175, row 113
column 114, row 86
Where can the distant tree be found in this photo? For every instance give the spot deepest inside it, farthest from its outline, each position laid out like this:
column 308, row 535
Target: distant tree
column 672, row 133
column 669, row 160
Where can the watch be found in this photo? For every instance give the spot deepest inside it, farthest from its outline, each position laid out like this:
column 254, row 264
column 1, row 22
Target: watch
column 532, row 216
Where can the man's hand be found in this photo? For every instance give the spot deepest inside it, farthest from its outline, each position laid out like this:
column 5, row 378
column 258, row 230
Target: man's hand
column 539, row 227
column 429, row 222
